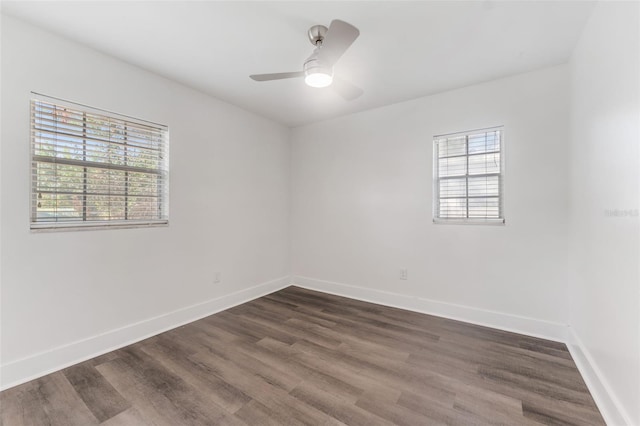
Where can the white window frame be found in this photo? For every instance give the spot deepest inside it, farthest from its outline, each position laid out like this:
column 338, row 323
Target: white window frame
column 440, row 139
column 158, row 142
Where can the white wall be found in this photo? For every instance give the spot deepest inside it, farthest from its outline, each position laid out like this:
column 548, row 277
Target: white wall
column 229, row 212
column 362, row 202
column 604, row 284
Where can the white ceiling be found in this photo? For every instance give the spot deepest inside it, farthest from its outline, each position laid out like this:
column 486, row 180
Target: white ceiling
column 405, row 49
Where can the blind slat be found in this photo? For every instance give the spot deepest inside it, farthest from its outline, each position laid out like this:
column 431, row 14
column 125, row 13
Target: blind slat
column 93, row 164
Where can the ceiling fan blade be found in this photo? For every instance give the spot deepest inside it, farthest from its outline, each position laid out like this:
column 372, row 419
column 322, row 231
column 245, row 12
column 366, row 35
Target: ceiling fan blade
column 345, row 89
column 339, row 37
column 276, row 76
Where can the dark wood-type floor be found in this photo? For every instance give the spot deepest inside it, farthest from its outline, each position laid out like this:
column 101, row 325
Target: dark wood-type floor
column 303, row 357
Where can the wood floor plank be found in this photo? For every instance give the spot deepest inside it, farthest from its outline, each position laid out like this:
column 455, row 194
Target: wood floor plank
column 550, row 414
column 437, row 413
column 269, row 351
column 49, row 400
column 300, row 357
column 392, row 412
column 148, row 404
column 171, row 396
column 215, row 333
column 96, row 392
column 333, row 406
column 210, row 386
column 256, row 413
column 259, row 389
column 490, row 406
column 129, row 417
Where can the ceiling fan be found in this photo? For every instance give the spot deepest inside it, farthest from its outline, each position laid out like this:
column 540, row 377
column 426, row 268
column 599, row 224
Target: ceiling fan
column 317, row 70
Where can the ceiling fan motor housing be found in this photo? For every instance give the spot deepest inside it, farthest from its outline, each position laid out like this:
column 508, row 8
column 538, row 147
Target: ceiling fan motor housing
column 316, row 34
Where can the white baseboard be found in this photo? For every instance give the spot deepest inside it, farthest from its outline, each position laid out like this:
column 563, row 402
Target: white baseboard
column 610, row 407
column 500, row 320
column 40, row 364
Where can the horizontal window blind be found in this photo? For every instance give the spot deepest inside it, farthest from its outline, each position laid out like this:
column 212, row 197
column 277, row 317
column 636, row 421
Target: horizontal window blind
column 468, row 172
column 93, row 168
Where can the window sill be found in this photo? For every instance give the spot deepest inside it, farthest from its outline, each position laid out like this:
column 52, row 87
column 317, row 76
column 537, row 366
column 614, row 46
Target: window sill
column 469, row 221
column 95, row 226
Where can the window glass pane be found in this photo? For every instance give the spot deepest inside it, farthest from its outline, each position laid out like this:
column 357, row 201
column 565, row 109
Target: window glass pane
column 68, row 178
column 143, row 184
column 141, row 207
column 456, row 187
column 117, row 207
column 484, row 185
column 455, row 166
column 68, row 207
column 49, row 211
column 484, row 208
column 97, row 151
column 453, row 207
column 484, row 142
column 484, row 163
column 104, row 207
column 452, row 147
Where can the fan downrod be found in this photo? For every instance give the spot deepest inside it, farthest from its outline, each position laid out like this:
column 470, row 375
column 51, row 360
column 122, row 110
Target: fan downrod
column 316, row 34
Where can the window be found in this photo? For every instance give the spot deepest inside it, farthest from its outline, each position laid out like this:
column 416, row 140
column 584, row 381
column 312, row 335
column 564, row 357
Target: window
column 92, row 168
column 468, row 171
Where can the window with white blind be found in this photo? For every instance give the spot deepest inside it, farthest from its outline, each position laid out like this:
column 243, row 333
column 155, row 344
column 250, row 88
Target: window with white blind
column 468, row 177
column 93, row 168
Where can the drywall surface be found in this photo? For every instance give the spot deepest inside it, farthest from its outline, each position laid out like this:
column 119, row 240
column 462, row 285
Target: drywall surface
column 604, row 284
column 229, row 208
column 362, row 201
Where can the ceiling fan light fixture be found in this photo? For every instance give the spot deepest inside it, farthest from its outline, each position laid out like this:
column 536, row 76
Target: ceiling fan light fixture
column 316, row 73
column 318, row 79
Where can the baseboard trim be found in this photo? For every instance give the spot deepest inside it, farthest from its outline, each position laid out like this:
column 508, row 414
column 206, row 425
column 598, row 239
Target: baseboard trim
column 20, row 371
column 502, row 321
column 610, row 407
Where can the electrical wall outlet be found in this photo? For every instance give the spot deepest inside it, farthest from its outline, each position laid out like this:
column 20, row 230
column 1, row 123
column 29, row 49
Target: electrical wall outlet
column 403, row 274
column 216, row 277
